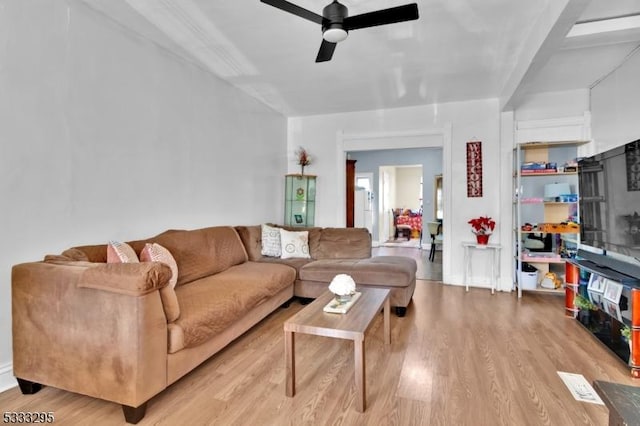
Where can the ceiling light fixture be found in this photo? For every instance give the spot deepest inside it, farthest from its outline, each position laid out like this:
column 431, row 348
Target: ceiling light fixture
column 334, row 35
column 599, row 26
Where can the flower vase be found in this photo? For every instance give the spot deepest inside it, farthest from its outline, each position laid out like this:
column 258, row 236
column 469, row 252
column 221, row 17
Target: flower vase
column 301, row 169
column 343, row 298
column 482, row 239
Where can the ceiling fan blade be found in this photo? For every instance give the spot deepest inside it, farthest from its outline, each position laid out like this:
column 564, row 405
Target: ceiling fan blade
column 326, row 51
column 296, row 10
column 408, row 12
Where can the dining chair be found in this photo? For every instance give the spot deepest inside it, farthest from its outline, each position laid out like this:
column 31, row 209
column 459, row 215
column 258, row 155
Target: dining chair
column 435, row 230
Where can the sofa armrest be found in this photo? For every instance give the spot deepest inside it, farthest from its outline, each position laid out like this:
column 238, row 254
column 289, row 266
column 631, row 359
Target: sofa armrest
column 108, row 342
column 134, row 279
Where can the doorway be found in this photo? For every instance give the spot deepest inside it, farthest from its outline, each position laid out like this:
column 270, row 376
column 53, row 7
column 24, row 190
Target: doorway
column 437, row 137
column 398, row 179
column 401, row 192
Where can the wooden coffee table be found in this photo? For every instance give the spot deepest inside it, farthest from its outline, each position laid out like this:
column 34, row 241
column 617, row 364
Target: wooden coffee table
column 352, row 326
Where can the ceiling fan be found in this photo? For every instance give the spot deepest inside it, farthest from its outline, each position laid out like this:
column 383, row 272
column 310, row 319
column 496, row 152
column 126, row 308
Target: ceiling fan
column 336, row 22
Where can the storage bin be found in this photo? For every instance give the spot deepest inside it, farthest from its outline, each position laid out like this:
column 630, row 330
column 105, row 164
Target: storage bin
column 528, row 277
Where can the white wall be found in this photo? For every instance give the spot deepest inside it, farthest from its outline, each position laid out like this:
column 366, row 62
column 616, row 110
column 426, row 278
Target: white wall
column 466, row 121
column 550, row 105
column 103, row 135
column 408, row 191
column 615, row 106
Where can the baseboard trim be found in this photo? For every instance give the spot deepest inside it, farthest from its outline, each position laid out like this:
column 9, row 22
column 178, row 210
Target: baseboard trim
column 7, row 381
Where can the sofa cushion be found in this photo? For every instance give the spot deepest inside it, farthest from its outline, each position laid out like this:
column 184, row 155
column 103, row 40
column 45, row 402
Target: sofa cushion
column 271, row 243
column 203, row 252
column 343, row 243
column 294, row 244
column 94, row 253
column 75, row 254
column 385, row 271
column 69, row 255
column 209, row 305
column 98, row 253
column 156, row 253
column 251, row 237
column 296, row 262
column 198, row 252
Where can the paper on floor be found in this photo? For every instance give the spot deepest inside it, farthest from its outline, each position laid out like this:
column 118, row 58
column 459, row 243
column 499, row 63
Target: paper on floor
column 580, row 388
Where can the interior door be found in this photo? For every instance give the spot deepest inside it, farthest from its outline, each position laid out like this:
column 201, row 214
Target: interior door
column 350, row 190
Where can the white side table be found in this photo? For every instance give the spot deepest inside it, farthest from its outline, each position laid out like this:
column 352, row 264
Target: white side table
column 495, row 261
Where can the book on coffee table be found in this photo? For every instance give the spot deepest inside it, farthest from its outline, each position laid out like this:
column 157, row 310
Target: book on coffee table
column 336, row 307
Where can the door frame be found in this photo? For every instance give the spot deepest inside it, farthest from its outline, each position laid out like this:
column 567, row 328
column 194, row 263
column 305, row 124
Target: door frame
column 433, row 137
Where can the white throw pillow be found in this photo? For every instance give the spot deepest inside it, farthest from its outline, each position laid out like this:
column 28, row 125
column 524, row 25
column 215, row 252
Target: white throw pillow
column 294, row 244
column 271, row 241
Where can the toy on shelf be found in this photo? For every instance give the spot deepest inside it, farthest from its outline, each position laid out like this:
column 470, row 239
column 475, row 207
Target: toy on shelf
column 551, row 281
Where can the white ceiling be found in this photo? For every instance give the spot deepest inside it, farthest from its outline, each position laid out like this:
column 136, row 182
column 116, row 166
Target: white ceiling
column 457, row 50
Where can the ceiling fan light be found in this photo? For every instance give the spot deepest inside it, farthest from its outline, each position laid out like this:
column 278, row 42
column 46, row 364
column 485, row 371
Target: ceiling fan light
column 334, row 35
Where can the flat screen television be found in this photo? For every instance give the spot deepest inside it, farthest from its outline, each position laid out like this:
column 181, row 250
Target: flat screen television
column 609, row 204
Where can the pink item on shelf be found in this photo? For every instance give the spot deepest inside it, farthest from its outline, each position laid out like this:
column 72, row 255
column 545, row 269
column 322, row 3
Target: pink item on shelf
column 532, row 200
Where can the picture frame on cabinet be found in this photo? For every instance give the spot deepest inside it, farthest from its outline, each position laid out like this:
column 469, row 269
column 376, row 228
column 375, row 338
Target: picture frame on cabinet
column 613, row 291
column 597, row 283
column 612, row 309
column 595, row 298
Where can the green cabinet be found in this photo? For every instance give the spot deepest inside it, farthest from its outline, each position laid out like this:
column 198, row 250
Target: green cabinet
column 300, row 200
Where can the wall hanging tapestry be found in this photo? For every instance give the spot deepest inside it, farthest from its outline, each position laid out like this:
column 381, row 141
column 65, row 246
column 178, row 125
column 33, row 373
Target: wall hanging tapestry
column 474, row 169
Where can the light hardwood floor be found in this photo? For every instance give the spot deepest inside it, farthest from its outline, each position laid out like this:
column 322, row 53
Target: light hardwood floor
column 456, row 359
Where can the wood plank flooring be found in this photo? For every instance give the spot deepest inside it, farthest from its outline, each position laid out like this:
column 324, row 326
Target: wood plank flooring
column 456, row 359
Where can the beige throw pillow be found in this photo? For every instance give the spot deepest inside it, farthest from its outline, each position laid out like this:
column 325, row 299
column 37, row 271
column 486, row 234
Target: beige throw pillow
column 118, row 252
column 294, row 244
column 271, row 241
column 156, row 253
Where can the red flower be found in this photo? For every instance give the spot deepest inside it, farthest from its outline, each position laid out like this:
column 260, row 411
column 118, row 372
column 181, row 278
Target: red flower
column 482, row 225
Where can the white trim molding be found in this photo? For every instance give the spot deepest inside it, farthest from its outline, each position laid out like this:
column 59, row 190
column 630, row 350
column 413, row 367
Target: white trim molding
column 431, row 138
column 554, row 129
column 7, row 381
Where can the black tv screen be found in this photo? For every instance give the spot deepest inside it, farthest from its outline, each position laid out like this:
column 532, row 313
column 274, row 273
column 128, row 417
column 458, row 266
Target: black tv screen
column 610, row 200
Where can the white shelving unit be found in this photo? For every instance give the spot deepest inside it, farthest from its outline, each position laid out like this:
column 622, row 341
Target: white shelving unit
column 555, row 217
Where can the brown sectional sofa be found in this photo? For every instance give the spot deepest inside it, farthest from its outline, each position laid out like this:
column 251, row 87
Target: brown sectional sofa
column 341, row 251
column 101, row 329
